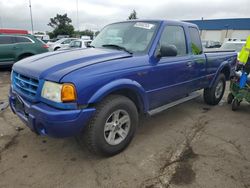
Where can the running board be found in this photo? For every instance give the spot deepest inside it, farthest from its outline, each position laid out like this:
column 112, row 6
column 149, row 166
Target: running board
column 172, row 104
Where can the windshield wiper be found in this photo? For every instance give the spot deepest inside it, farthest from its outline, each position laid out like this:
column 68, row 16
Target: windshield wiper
column 118, row 47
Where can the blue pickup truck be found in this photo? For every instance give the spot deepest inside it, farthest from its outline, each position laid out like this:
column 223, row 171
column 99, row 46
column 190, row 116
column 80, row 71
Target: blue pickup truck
column 132, row 67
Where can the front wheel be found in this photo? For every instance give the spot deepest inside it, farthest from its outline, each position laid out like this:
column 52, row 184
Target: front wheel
column 213, row 95
column 113, row 126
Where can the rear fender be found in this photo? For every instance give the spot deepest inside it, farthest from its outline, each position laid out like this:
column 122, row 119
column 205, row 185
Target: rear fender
column 224, row 66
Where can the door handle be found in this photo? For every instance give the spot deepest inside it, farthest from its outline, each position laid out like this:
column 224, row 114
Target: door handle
column 190, row 64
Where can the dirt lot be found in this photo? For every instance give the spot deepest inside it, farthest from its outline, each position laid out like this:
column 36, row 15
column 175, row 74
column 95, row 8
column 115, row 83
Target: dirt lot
column 191, row 145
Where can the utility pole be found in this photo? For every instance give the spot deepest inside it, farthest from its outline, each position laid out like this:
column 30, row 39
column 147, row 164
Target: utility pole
column 201, row 24
column 31, row 19
column 226, row 26
column 1, row 23
column 77, row 16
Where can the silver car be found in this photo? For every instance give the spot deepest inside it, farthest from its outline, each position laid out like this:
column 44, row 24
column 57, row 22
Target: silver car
column 62, row 43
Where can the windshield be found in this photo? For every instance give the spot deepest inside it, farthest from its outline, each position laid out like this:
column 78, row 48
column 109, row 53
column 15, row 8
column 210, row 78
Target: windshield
column 130, row 36
column 232, row 46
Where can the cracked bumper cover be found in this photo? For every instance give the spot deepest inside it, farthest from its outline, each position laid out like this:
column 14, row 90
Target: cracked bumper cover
column 46, row 120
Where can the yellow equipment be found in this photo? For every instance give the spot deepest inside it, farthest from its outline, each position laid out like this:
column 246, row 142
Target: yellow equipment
column 245, row 51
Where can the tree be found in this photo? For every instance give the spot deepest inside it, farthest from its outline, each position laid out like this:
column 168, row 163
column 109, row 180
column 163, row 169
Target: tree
column 96, row 33
column 86, row 32
column 39, row 33
column 133, row 15
column 61, row 25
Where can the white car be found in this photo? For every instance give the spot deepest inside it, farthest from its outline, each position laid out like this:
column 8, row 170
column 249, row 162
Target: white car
column 233, row 45
column 79, row 43
column 62, row 43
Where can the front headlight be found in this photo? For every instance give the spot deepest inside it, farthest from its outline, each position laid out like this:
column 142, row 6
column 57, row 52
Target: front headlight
column 59, row 92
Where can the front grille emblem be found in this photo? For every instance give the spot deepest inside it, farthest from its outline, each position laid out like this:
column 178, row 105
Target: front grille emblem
column 22, row 84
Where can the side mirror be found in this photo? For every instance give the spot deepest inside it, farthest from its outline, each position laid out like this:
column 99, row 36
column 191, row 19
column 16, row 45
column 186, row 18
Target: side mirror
column 167, row 51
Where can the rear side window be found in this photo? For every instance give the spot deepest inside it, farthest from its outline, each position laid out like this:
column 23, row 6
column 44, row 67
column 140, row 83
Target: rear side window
column 23, row 40
column 174, row 35
column 6, row 40
column 195, row 41
column 76, row 44
column 67, row 41
column 40, row 40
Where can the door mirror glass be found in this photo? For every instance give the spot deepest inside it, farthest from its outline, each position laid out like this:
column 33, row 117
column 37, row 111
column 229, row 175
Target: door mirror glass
column 167, row 51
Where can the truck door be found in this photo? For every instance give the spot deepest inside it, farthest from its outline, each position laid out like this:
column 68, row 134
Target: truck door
column 7, row 50
column 171, row 75
column 198, row 73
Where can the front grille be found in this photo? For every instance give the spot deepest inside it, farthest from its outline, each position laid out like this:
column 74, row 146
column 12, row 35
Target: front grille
column 25, row 84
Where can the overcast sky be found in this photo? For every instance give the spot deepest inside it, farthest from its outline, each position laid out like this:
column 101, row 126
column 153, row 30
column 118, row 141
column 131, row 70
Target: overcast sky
column 94, row 14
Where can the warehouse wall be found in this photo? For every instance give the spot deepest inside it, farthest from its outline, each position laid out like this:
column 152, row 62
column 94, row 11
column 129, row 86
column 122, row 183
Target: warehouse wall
column 220, row 35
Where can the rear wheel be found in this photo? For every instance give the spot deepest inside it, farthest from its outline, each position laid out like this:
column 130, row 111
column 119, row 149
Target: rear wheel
column 235, row 104
column 213, row 95
column 113, row 126
column 230, row 98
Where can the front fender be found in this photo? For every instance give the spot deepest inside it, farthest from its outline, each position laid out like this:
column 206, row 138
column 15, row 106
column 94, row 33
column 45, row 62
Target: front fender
column 119, row 85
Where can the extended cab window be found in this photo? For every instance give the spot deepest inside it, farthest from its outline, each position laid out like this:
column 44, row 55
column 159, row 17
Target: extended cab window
column 23, row 40
column 196, row 44
column 174, row 35
column 6, row 40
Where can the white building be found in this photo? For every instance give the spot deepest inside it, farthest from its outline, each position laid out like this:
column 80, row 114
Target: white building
column 219, row 29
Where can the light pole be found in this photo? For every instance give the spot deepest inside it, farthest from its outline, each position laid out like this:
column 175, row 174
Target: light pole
column 31, row 19
column 226, row 26
column 1, row 23
column 201, row 26
column 77, row 16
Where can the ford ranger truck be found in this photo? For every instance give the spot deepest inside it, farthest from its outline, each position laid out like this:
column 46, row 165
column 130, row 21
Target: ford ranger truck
column 133, row 67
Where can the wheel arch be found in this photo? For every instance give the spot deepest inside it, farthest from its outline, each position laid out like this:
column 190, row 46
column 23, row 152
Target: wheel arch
column 23, row 55
column 56, row 48
column 224, row 69
column 126, row 87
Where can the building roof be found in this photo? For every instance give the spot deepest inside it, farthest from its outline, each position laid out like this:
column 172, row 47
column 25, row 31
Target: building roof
column 223, row 24
column 13, row 31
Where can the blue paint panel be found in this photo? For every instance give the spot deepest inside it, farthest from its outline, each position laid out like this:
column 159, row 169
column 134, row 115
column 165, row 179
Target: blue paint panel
column 222, row 24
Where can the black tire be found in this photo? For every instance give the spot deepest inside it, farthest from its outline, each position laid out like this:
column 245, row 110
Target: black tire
column 235, row 104
column 210, row 95
column 230, row 98
column 56, row 48
column 93, row 136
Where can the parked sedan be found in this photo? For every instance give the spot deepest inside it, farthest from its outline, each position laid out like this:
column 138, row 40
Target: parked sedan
column 79, row 43
column 211, row 44
column 19, row 46
column 62, row 43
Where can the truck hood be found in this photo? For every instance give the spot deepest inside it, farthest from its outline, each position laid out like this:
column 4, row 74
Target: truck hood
column 54, row 65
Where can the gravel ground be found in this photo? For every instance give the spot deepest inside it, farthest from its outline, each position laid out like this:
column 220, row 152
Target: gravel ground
column 190, row 145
